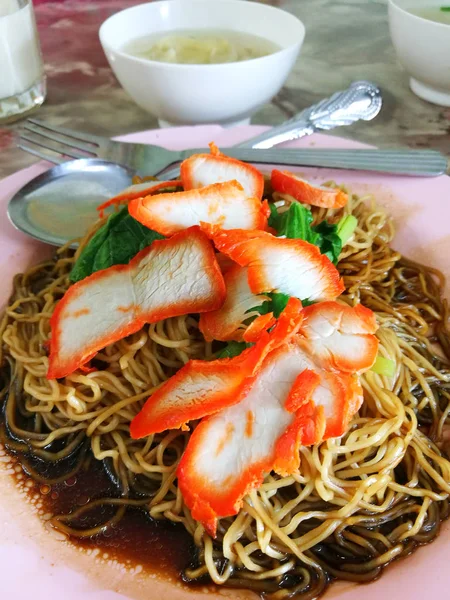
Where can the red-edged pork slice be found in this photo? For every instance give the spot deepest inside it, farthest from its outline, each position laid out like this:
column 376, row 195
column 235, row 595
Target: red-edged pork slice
column 286, row 182
column 309, row 424
column 256, row 327
column 198, row 389
column 147, row 188
column 229, row 452
column 341, row 337
column 221, row 204
column 227, row 323
column 339, row 396
column 200, row 170
column 201, row 388
column 293, row 267
column 169, row 278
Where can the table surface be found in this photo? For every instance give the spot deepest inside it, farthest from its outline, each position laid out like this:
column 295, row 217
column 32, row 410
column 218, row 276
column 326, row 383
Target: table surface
column 345, row 40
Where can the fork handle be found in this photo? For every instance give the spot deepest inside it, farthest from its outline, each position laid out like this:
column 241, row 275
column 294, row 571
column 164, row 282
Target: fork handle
column 420, row 163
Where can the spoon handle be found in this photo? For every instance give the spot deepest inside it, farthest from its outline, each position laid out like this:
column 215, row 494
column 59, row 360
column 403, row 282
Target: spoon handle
column 361, row 101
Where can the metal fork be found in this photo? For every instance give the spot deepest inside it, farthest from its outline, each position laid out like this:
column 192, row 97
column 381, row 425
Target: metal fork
column 151, row 160
column 362, row 100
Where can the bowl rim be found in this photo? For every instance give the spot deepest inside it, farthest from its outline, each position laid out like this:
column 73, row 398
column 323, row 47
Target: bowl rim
column 429, row 22
column 224, row 66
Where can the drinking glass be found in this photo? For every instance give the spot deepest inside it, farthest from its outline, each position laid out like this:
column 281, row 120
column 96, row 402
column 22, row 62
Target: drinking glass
column 22, row 81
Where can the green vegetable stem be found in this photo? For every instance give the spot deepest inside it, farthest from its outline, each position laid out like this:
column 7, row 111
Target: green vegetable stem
column 384, row 366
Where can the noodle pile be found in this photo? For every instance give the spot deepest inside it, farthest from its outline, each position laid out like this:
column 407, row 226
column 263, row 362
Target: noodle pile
column 359, row 501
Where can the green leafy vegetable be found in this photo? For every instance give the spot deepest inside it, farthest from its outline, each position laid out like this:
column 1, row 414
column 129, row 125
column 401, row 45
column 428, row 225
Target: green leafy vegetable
column 445, row 8
column 330, row 243
column 232, row 349
column 274, row 216
column 294, row 223
column 278, row 303
column 384, row 366
column 120, row 238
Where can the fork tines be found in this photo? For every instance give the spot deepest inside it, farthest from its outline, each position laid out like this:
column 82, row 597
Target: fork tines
column 54, row 143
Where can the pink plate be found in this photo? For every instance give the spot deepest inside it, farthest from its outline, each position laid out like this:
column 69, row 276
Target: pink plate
column 36, row 564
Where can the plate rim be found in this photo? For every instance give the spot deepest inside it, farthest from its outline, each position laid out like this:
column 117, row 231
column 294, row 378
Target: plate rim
column 392, row 580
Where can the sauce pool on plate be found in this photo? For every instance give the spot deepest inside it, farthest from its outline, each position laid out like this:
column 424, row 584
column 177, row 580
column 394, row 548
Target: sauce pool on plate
column 200, row 47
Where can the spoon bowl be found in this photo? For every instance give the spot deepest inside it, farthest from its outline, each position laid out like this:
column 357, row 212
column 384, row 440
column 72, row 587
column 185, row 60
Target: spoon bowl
column 60, row 204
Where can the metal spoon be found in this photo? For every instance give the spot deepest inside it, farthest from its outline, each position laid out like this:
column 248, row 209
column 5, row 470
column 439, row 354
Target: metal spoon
column 60, row 204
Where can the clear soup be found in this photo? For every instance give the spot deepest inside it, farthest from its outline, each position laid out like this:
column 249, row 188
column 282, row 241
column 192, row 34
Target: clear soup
column 200, row 47
column 439, row 14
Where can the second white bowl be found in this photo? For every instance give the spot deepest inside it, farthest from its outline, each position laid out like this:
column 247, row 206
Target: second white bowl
column 194, row 94
column 423, row 48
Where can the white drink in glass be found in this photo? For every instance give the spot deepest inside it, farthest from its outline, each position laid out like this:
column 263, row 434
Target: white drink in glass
column 22, row 84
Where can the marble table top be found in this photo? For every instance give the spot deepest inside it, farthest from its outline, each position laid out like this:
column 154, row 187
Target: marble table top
column 346, row 40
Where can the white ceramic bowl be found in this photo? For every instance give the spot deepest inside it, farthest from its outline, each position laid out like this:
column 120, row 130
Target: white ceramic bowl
column 423, row 48
column 194, row 94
